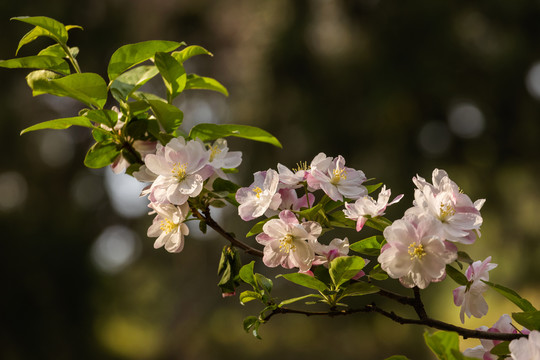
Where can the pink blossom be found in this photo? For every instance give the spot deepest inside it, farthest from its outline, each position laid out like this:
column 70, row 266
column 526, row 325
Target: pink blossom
column 221, row 158
column 180, row 169
column 415, row 252
column 483, row 351
column 260, row 196
column 470, row 297
column 168, row 226
column 292, row 179
column 459, row 216
column 335, row 179
column 366, row 207
column 526, row 348
column 287, row 242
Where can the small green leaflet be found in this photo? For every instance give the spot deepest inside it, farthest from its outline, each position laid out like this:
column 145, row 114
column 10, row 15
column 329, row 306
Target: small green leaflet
column 60, row 124
column 101, row 154
column 124, row 85
column 513, row 296
column 529, row 319
column 43, row 62
column 132, row 54
column 344, row 268
column 369, row 246
column 172, row 72
column 45, row 26
column 208, row 132
column 189, row 52
column 306, row 281
column 205, row 83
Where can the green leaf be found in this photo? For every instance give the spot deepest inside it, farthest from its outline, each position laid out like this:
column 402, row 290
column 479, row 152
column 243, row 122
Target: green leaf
column 208, row 132
column 124, row 85
column 101, row 154
column 306, row 281
column 88, row 88
column 45, row 26
column 106, row 117
column 246, row 274
column 397, row 357
column 264, row 282
column 197, row 82
column 360, row 288
column 464, row 257
column 38, row 62
column 501, row 349
column 189, row 52
column 338, row 219
column 169, row 116
column 456, row 275
column 529, row 319
column 378, row 223
column 60, row 124
column 172, row 72
column 378, row 273
column 290, row 301
column 130, row 55
column 513, row 296
column 372, row 188
column 224, row 185
column 252, row 323
column 344, row 268
column 247, row 296
column 54, row 50
column 369, row 246
column 442, row 343
column 258, row 227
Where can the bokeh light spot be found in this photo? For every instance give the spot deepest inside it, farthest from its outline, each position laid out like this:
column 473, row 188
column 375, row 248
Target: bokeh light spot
column 466, row 120
column 115, row 248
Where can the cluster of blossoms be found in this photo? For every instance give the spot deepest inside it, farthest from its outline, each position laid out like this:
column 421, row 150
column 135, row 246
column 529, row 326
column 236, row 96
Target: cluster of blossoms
column 291, row 241
column 423, row 242
column 179, row 171
column 521, row 349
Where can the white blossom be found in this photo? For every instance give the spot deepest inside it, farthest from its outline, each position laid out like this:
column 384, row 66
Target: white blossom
column 415, row 252
column 526, row 348
column 366, row 207
column 168, row 226
column 260, row 196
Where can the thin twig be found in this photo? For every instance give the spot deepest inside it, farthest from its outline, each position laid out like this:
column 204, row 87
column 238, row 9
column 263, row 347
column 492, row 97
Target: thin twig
column 217, row 228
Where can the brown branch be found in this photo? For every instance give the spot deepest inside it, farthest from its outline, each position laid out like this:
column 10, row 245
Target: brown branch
column 217, row 228
column 432, row 323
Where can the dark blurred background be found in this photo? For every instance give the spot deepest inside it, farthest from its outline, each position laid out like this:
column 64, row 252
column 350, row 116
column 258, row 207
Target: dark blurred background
column 397, row 88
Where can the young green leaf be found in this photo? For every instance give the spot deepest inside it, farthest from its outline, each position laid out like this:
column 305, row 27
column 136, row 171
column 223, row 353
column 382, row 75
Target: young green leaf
column 101, row 155
column 197, row 82
column 456, row 275
column 378, row 223
column 88, row 88
column 60, row 124
column 130, row 55
column 45, row 26
column 172, row 72
column 258, row 227
column 169, row 116
column 224, row 185
column 306, row 281
column 208, row 132
column 344, row 268
column 189, row 52
column 247, row 296
column 360, row 288
column 290, row 301
column 372, row 188
column 442, row 343
column 397, row 357
column 264, row 282
column 511, row 295
column 378, row 273
column 106, row 117
column 369, row 246
column 246, row 274
column 502, row 349
column 124, row 85
column 529, row 319
column 338, row 219
column 44, row 62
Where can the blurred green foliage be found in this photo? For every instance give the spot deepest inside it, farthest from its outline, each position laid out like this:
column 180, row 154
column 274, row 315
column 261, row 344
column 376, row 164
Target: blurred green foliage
column 397, row 88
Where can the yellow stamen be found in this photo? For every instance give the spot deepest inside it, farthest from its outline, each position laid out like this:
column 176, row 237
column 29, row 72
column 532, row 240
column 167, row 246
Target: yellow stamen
column 214, row 150
column 301, row 166
column 179, row 171
column 286, row 244
column 258, row 191
column 167, row 226
column 416, row 251
column 337, row 175
column 446, row 210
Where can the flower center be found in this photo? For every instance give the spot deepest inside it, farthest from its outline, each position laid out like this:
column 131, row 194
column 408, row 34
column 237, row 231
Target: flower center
column 214, row 150
column 167, row 226
column 286, row 244
column 179, row 171
column 416, row 251
column 301, row 166
column 257, row 191
column 338, row 175
column 446, row 210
